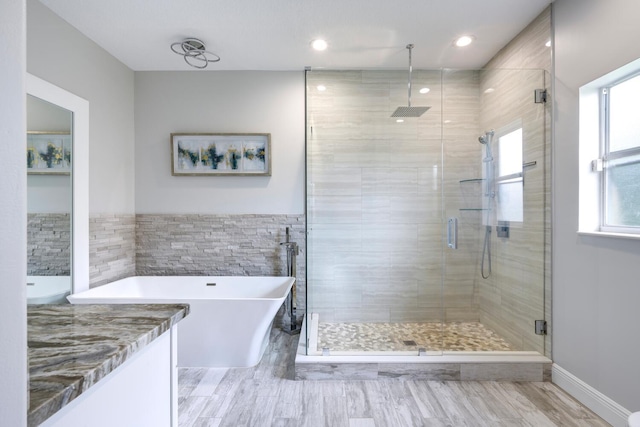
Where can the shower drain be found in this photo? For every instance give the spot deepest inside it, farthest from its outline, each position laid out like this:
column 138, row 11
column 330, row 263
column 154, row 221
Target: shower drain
column 409, row 342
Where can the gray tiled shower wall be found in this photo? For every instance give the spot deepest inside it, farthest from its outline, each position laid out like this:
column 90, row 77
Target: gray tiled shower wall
column 375, row 198
column 523, row 293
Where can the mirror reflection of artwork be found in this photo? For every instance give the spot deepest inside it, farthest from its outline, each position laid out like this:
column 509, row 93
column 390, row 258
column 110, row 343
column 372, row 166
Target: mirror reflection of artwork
column 221, row 154
column 49, row 201
column 48, row 153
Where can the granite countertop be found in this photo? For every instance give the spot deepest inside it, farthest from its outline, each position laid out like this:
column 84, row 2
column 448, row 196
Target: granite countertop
column 71, row 347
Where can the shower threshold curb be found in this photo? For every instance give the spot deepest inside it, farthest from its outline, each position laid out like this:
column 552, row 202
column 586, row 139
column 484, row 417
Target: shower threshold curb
column 441, row 366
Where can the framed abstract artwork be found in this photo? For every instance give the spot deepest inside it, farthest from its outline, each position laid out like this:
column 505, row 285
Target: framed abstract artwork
column 48, row 153
column 222, row 154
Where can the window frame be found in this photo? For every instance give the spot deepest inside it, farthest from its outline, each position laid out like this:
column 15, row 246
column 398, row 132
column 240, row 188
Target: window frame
column 607, row 155
column 517, row 177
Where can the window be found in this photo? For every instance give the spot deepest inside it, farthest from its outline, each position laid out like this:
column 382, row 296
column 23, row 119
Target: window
column 509, row 177
column 609, row 155
column 619, row 163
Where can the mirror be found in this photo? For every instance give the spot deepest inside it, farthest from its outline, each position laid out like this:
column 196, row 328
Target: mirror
column 57, row 191
column 49, row 143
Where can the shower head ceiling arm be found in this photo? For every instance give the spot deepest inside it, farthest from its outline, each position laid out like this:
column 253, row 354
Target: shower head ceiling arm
column 409, row 111
column 410, row 47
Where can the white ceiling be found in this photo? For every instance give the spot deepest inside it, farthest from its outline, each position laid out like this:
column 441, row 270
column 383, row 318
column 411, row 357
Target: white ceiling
column 276, row 34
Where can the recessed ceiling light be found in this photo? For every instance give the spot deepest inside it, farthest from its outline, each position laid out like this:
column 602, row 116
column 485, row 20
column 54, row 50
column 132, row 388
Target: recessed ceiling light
column 489, row 90
column 548, row 43
column 319, row 44
column 464, row 41
column 447, row 121
column 425, row 90
column 400, row 121
column 321, row 88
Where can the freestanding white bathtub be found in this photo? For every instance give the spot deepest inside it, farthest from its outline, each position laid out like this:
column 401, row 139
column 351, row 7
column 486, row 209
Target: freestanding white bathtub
column 48, row 289
column 230, row 318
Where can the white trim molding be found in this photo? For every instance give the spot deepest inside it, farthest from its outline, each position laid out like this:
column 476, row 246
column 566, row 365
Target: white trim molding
column 80, row 173
column 610, row 411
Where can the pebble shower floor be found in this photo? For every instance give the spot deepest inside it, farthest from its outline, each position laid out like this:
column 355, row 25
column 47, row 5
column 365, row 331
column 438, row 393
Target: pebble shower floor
column 452, row 336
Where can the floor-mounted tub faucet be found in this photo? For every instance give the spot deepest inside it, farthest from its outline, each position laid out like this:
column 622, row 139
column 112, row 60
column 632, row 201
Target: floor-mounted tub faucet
column 292, row 251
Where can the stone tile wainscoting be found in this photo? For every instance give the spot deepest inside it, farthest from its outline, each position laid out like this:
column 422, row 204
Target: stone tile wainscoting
column 112, row 247
column 218, row 245
column 48, row 244
column 191, row 244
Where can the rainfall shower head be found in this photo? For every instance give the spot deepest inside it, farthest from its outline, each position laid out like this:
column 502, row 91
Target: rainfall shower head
column 409, row 111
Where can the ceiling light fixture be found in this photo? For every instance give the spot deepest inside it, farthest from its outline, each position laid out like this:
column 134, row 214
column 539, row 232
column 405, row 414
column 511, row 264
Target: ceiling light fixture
column 400, row 121
column 194, row 52
column 464, row 41
column 548, row 43
column 321, row 88
column 319, row 44
column 425, row 90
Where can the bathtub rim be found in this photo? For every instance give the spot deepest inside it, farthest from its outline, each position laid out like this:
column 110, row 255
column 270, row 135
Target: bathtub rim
column 92, row 296
column 48, row 294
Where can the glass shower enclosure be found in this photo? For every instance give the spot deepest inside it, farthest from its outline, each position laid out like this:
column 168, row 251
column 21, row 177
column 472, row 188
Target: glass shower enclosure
column 426, row 235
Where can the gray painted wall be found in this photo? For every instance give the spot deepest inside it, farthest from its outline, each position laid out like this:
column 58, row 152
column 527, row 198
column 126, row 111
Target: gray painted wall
column 60, row 54
column 595, row 279
column 215, row 102
column 65, row 57
column 13, row 215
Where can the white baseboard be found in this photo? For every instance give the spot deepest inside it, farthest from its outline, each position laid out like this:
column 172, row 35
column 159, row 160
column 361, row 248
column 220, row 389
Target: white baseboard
column 606, row 408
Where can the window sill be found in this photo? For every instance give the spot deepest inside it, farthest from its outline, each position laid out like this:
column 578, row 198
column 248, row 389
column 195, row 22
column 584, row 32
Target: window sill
column 610, row 234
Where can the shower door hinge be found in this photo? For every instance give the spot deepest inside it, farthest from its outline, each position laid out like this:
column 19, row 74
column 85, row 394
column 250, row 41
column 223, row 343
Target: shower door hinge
column 540, row 96
column 541, row 327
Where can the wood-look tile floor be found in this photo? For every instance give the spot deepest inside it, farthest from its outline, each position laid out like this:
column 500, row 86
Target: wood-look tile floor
column 266, row 395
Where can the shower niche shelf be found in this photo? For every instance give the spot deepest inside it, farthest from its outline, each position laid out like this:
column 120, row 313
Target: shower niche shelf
column 472, row 209
column 471, row 180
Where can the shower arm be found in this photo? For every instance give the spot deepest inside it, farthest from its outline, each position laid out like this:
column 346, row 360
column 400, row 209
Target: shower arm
column 410, row 47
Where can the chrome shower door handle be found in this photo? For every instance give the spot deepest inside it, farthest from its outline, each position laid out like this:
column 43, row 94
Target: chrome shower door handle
column 452, row 233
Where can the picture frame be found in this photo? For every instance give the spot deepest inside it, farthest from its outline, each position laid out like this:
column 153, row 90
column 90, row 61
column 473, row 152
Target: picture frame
column 49, row 153
column 221, row 154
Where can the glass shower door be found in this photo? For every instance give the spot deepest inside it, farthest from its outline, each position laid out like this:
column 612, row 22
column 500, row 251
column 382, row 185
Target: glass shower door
column 374, row 214
column 495, row 185
column 431, row 234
